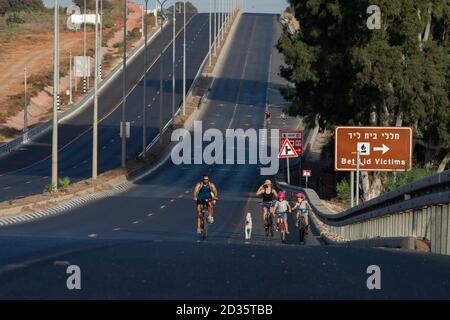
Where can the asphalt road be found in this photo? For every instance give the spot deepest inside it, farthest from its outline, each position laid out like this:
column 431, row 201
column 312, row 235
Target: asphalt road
column 26, row 171
column 142, row 243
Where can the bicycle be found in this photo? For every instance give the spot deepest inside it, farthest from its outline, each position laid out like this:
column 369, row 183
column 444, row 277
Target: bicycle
column 282, row 228
column 204, row 234
column 268, row 225
column 301, row 229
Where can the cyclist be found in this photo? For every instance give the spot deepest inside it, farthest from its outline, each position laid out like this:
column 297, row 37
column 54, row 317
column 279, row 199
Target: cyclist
column 303, row 208
column 205, row 192
column 267, row 117
column 281, row 208
column 268, row 194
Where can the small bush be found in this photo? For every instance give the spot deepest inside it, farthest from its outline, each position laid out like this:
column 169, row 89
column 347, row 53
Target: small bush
column 108, row 23
column 403, row 178
column 15, row 18
column 50, row 188
column 64, row 183
column 343, row 189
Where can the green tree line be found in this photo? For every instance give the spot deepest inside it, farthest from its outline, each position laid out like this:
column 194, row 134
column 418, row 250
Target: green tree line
column 399, row 75
column 20, row 5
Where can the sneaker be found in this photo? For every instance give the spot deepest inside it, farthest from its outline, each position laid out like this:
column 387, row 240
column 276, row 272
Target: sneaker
column 199, row 231
column 210, row 220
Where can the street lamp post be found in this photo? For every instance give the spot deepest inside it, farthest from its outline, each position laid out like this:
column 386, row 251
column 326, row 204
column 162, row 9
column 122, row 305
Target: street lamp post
column 95, row 111
column 144, row 110
column 84, row 52
column 210, row 31
column 70, row 78
column 184, row 60
column 215, row 28
column 55, row 105
column 161, row 71
column 25, row 108
column 173, row 57
column 124, row 93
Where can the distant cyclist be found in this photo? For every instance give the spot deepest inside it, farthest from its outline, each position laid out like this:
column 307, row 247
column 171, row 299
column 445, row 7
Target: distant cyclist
column 281, row 209
column 268, row 194
column 303, row 209
column 205, row 192
column 267, row 117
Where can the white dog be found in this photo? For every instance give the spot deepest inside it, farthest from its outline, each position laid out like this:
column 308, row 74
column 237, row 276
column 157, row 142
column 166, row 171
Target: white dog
column 248, row 226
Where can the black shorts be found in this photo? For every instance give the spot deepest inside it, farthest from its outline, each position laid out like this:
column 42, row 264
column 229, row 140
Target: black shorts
column 204, row 201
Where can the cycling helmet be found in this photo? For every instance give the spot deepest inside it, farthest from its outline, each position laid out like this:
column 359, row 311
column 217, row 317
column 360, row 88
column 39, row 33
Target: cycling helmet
column 281, row 195
column 300, row 195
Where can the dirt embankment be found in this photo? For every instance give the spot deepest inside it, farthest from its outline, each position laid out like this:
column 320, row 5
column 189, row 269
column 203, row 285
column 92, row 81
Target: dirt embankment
column 32, row 47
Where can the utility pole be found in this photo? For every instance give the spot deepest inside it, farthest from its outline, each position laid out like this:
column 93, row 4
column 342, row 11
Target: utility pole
column 161, row 72
column 124, row 92
column 173, row 57
column 144, row 110
column 25, row 109
column 84, row 52
column 142, row 22
column 210, row 31
column 215, row 28
column 70, row 78
column 95, row 113
column 55, row 93
column 100, row 58
column 184, row 60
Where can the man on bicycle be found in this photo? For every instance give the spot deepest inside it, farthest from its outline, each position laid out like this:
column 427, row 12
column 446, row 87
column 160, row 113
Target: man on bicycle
column 303, row 208
column 268, row 194
column 281, row 209
column 205, row 192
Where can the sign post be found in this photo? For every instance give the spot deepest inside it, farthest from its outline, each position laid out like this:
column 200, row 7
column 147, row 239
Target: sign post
column 287, row 151
column 363, row 149
column 307, row 174
column 294, row 140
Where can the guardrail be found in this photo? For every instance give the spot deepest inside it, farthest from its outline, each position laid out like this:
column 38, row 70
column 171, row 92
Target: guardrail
column 420, row 209
column 40, row 129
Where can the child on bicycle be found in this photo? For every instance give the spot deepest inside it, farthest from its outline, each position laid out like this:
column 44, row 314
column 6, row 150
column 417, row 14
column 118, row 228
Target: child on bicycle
column 281, row 208
column 303, row 208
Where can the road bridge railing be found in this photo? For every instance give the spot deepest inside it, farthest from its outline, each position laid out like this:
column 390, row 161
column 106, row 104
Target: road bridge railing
column 419, row 210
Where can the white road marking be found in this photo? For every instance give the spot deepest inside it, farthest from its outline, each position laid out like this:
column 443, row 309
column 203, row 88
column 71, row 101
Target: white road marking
column 172, row 200
column 6, row 188
column 28, row 182
column 150, row 214
column 93, row 235
column 116, row 229
column 136, row 222
column 186, row 192
column 163, row 206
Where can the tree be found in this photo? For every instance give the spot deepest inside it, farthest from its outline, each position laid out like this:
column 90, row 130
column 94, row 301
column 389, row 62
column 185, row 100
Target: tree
column 20, row 5
column 345, row 74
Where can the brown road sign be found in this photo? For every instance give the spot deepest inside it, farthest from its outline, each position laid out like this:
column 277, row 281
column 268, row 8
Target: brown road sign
column 381, row 148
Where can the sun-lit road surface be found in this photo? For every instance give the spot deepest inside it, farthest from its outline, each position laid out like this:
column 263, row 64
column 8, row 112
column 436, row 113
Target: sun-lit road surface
column 142, row 243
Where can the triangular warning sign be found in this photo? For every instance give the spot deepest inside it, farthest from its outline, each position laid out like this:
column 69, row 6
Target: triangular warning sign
column 287, row 150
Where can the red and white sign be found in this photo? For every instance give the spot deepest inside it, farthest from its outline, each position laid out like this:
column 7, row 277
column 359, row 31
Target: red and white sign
column 295, row 137
column 307, row 173
column 287, row 150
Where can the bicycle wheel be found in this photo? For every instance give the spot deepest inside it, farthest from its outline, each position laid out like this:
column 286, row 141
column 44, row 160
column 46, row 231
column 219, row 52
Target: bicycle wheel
column 283, row 231
column 205, row 224
column 301, row 234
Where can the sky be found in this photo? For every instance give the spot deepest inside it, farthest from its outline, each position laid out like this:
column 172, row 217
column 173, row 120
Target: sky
column 260, row 6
